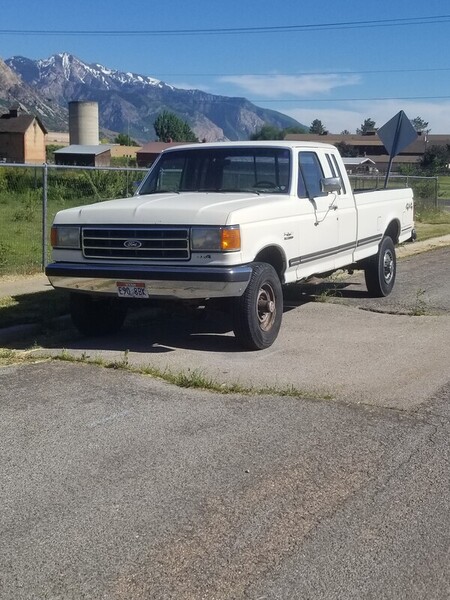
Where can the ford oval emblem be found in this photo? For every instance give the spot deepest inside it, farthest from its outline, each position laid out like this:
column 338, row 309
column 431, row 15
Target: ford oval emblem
column 132, row 244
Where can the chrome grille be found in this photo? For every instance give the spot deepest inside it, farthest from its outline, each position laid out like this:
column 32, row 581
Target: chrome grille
column 146, row 243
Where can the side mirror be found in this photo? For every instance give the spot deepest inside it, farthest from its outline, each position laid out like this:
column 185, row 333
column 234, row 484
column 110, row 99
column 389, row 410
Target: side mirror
column 330, row 184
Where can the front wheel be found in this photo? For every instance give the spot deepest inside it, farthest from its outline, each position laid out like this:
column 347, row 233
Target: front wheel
column 97, row 316
column 381, row 269
column 258, row 312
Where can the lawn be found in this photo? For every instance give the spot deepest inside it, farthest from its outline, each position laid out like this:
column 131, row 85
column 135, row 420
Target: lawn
column 431, row 222
column 444, row 186
column 21, row 214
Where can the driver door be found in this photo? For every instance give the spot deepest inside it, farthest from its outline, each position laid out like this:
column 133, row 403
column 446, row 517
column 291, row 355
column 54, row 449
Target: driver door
column 319, row 225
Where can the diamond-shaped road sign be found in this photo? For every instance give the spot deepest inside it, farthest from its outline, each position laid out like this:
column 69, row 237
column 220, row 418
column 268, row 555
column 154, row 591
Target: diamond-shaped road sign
column 397, row 134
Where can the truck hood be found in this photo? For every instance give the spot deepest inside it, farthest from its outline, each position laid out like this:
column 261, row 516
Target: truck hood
column 196, row 208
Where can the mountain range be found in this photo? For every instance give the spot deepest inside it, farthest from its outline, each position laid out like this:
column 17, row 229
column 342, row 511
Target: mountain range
column 128, row 102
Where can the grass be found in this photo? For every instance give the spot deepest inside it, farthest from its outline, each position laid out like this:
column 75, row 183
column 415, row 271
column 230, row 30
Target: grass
column 431, row 222
column 426, row 231
column 444, row 186
column 420, row 307
column 190, row 378
column 21, row 214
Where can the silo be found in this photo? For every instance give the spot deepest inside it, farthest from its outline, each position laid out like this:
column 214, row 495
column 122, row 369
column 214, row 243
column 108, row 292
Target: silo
column 83, row 123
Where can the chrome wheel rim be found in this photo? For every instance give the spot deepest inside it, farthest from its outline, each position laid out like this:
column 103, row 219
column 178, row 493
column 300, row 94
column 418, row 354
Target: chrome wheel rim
column 388, row 266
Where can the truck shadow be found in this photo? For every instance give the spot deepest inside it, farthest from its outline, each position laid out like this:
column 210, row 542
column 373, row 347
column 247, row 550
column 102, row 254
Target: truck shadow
column 298, row 294
column 157, row 331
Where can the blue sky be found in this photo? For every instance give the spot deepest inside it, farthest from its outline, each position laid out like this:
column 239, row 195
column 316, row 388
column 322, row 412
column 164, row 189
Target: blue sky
column 338, row 74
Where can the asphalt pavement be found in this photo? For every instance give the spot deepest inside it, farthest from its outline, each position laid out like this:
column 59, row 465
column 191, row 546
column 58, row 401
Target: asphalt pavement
column 117, row 486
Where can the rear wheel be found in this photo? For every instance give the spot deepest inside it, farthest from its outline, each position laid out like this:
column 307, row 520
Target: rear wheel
column 381, row 269
column 97, row 316
column 258, row 312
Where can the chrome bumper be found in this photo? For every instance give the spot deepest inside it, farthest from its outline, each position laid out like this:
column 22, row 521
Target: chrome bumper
column 160, row 281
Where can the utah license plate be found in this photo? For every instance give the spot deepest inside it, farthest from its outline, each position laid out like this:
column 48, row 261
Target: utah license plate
column 128, row 289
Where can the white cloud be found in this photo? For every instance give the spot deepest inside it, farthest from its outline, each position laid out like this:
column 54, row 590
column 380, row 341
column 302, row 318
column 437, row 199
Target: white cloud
column 351, row 115
column 274, row 86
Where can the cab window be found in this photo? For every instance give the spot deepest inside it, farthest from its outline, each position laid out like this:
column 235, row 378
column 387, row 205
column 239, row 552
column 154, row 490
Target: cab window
column 311, row 171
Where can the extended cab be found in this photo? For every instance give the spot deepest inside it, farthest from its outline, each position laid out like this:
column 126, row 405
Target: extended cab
column 235, row 221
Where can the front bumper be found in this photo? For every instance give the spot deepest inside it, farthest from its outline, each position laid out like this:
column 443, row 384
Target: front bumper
column 160, row 281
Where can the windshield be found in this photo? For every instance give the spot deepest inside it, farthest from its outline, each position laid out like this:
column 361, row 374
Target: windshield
column 257, row 170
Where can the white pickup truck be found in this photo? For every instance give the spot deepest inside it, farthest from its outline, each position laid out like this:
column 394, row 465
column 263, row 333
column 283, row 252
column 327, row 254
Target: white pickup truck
column 234, row 221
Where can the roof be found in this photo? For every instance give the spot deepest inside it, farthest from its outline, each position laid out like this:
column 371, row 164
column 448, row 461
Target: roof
column 19, row 124
column 255, row 144
column 118, row 151
column 80, row 149
column 362, row 160
column 157, row 147
column 416, row 147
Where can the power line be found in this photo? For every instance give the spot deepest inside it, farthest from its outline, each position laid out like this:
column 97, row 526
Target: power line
column 430, row 20
column 302, row 73
column 228, row 99
column 261, row 100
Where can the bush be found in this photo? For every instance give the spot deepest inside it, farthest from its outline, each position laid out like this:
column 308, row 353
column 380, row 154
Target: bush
column 29, row 206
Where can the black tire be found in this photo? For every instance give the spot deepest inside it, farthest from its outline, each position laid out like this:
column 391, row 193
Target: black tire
column 97, row 316
column 380, row 270
column 257, row 314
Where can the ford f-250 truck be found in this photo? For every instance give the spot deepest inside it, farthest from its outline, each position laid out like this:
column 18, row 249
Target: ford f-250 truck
column 234, row 221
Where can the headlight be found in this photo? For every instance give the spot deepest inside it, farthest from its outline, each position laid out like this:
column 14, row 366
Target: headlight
column 65, row 237
column 216, row 239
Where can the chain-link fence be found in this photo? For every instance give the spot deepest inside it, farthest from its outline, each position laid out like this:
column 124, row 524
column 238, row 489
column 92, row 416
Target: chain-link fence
column 426, row 189
column 30, row 196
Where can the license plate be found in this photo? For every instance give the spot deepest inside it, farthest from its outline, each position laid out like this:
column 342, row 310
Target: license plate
column 128, row 289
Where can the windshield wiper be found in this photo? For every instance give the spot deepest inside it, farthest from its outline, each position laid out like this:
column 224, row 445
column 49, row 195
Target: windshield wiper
column 239, row 191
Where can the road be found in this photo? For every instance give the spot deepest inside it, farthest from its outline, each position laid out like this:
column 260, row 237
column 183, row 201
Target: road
column 116, row 485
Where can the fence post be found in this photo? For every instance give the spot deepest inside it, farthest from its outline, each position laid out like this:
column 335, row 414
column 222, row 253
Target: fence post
column 44, row 214
column 436, row 192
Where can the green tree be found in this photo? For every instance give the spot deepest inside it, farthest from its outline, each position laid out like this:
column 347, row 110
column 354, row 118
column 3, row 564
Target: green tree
column 50, row 152
column 419, row 124
column 366, row 127
column 169, row 127
column 346, row 150
column 436, row 159
column 123, row 139
column 268, row 132
column 317, row 127
column 345, row 132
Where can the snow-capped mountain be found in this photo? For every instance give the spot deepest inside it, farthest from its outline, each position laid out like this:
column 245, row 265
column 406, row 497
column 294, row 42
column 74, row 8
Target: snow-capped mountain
column 61, row 72
column 13, row 90
column 129, row 102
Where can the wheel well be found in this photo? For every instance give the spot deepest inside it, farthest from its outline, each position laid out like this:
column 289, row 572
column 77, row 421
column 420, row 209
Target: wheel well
column 393, row 231
column 273, row 256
